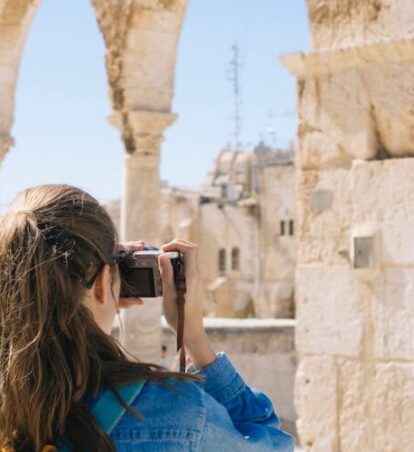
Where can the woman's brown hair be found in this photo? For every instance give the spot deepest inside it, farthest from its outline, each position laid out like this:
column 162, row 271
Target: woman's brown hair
column 53, row 240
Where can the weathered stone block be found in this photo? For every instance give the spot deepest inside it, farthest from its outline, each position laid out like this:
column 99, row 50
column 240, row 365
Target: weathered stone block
column 17, row 12
column 11, row 37
column 329, row 310
column 391, row 96
column 335, row 121
column 151, row 41
column 394, row 314
column 382, row 195
column 323, row 236
column 316, row 404
column 353, row 393
column 167, row 21
column 393, row 408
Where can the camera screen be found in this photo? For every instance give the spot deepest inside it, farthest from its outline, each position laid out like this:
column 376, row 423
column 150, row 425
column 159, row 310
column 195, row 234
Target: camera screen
column 138, row 282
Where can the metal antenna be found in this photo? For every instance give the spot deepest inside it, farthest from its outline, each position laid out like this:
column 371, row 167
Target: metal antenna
column 234, row 77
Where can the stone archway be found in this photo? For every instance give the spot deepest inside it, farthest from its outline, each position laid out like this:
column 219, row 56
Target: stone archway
column 141, row 37
column 15, row 20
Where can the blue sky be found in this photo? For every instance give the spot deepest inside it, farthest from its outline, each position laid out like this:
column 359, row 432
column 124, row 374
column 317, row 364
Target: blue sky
column 62, row 99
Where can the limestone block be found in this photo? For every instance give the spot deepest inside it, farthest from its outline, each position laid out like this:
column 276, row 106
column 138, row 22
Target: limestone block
column 390, row 90
column 354, row 386
column 343, row 23
column 393, row 422
column 335, row 120
column 161, row 4
column 10, row 37
column 149, row 19
column 394, row 314
column 113, row 18
column 387, row 186
column 329, row 311
column 323, row 236
column 17, row 12
column 148, row 81
column 316, row 404
column 143, row 41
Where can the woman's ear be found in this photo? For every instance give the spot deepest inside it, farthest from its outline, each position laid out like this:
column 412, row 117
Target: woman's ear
column 102, row 286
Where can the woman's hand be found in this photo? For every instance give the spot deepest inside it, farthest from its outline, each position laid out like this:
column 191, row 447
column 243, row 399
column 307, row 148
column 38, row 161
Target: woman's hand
column 195, row 338
column 130, row 246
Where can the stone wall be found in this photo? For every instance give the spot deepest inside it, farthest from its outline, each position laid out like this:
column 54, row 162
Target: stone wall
column 262, row 351
column 277, row 250
column 355, row 204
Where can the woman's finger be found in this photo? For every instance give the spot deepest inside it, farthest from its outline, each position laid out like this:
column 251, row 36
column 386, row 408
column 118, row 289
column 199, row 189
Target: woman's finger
column 189, row 250
column 132, row 246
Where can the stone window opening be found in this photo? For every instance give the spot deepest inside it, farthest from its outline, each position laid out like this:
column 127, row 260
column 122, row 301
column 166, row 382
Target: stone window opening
column 282, row 227
column 291, row 227
column 235, row 259
column 222, row 260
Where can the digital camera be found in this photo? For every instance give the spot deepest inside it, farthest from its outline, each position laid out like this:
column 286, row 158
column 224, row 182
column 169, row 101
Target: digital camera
column 140, row 276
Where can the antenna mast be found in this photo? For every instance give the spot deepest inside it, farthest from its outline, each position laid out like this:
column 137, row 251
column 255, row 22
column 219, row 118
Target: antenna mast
column 235, row 67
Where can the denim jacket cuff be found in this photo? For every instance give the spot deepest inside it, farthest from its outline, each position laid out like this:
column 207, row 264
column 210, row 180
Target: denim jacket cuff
column 222, row 380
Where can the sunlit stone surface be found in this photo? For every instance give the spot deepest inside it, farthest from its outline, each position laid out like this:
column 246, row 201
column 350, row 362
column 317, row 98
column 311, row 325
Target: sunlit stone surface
column 355, row 205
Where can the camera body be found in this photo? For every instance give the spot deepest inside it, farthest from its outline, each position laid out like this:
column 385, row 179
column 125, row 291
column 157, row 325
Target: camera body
column 140, row 276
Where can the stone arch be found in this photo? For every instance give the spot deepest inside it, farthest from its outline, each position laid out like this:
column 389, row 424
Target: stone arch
column 15, row 20
column 141, row 38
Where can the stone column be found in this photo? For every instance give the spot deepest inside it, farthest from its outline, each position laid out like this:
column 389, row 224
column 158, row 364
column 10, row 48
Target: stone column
column 140, row 219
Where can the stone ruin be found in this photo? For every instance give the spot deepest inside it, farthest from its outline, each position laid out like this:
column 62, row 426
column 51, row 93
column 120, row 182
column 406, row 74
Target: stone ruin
column 355, row 203
column 355, row 215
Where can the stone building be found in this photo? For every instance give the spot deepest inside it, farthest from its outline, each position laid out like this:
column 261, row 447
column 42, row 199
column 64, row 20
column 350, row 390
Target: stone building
column 243, row 219
column 355, row 217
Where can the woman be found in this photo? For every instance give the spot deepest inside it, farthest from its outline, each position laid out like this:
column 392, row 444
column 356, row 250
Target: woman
column 59, row 295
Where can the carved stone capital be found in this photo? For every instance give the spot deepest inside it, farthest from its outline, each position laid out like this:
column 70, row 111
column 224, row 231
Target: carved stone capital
column 142, row 121
column 143, row 131
column 150, row 122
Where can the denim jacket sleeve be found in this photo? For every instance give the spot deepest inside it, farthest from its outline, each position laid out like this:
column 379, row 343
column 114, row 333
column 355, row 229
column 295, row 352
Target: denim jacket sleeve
column 241, row 418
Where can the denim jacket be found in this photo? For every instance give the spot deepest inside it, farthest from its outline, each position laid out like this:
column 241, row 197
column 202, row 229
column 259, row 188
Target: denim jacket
column 221, row 414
